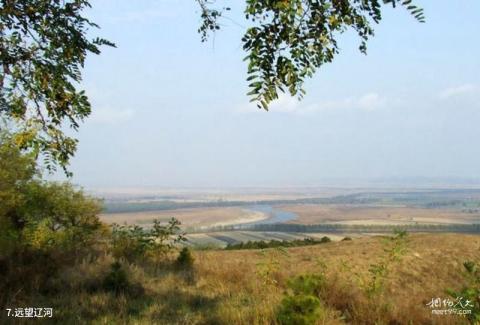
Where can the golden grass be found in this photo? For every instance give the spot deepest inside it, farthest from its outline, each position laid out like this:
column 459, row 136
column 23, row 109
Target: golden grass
column 432, row 264
column 246, row 286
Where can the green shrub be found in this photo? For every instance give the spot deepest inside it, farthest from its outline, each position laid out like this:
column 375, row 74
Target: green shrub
column 471, row 292
column 347, row 238
column 185, row 258
column 133, row 243
column 129, row 242
column 301, row 306
column 400, row 233
column 300, row 310
column 394, row 247
column 277, row 243
column 325, row 240
column 116, row 280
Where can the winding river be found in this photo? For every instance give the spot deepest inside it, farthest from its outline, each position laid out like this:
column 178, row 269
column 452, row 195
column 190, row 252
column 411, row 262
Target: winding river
column 275, row 215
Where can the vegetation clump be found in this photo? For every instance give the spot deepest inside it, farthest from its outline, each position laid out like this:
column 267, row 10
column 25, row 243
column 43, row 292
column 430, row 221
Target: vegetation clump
column 134, row 243
column 47, row 229
column 185, row 258
column 116, row 280
column 469, row 293
column 301, row 305
column 277, row 243
column 44, row 226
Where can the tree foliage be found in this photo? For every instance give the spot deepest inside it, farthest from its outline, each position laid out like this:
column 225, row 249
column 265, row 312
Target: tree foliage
column 43, row 47
column 277, row 243
column 132, row 243
column 288, row 40
column 40, row 215
column 44, row 226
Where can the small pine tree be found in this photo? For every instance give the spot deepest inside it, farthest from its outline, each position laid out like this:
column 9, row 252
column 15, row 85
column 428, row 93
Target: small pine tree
column 185, row 258
column 302, row 305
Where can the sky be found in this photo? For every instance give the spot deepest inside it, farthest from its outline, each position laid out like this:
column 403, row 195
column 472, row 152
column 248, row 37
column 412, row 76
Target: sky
column 170, row 111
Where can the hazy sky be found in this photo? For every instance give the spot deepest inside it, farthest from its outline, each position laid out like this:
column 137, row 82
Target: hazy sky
column 171, row 111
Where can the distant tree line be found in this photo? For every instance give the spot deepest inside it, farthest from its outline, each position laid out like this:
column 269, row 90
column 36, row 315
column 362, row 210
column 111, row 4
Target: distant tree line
column 343, row 228
column 278, row 243
column 357, row 198
column 431, row 199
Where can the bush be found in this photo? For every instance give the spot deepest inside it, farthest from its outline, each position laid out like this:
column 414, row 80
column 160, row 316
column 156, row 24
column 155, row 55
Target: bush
column 116, row 280
column 347, row 238
column 26, row 272
column 129, row 243
column 277, row 243
column 471, row 292
column 325, row 240
column 185, row 258
column 302, row 306
column 133, row 243
column 300, row 310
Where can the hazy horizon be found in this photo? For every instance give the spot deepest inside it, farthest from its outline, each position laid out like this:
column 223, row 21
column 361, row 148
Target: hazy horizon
column 343, row 186
column 169, row 111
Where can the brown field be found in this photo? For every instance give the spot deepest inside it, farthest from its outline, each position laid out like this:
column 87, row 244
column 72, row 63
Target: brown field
column 189, row 217
column 247, row 286
column 370, row 215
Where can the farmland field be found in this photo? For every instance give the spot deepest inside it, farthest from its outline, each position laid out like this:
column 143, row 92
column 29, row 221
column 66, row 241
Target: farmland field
column 219, row 218
column 361, row 214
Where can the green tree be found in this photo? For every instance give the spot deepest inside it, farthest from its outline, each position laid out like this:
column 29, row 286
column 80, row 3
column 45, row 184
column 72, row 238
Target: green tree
column 59, row 215
column 44, row 226
column 16, row 172
column 40, row 215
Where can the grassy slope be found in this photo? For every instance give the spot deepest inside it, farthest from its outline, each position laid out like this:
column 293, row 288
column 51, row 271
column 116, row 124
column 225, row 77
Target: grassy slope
column 245, row 287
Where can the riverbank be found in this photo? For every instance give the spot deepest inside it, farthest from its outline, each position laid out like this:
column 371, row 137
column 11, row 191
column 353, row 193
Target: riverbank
column 195, row 217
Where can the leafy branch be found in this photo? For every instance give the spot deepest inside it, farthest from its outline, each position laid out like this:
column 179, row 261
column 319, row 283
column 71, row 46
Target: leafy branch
column 290, row 39
column 43, row 47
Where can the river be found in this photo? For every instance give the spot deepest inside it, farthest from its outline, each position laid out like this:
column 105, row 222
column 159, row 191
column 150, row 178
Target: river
column 276, row 215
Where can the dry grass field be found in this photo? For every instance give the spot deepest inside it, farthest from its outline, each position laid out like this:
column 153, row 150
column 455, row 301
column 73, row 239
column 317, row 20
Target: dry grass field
column 368, row 215
column 197, row 217
column 432, row 264
column 247, row 286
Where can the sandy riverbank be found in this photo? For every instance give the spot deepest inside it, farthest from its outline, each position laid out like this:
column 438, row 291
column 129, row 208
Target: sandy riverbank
column 201, row 217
